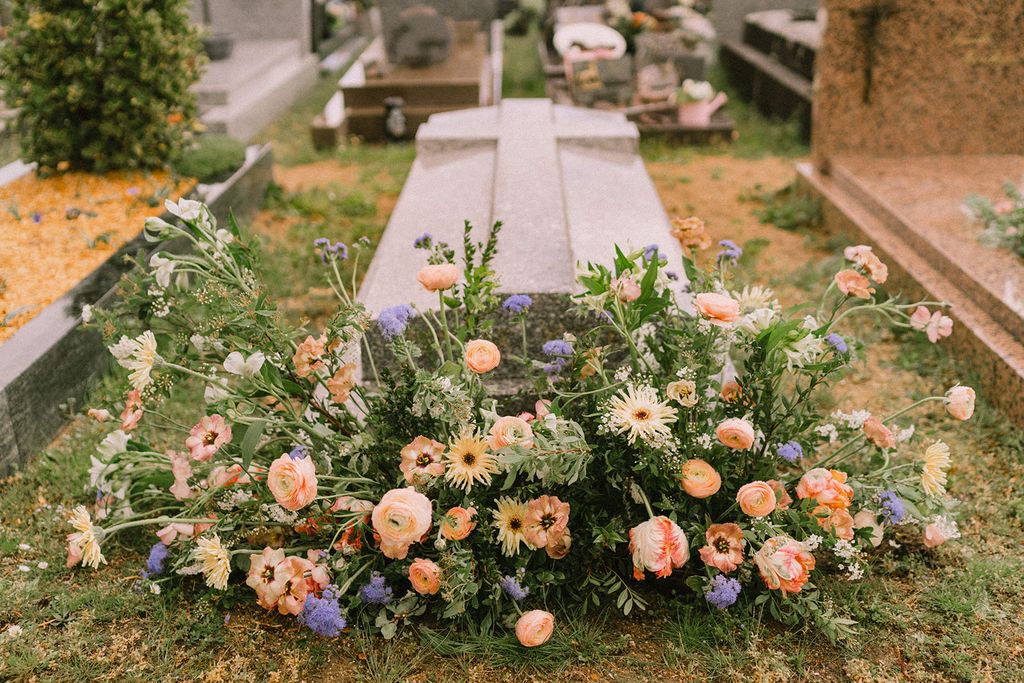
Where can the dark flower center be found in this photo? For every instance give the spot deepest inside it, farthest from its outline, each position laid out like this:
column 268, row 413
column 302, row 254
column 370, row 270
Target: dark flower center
column 547, row 521
column 642, row 414
column 515, row 524
column 423, row 459
column 469, row 459
column 722, row 544
column 209, row 438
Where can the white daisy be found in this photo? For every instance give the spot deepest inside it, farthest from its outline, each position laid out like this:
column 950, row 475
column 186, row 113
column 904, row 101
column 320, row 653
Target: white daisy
column 213, row 561
column 509, row 520
column 638, row 412
column 143, row 356
column 84, row 540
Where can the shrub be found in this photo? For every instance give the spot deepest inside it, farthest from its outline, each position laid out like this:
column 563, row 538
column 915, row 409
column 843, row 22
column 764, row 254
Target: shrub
column 212, row 159
column 101, row 84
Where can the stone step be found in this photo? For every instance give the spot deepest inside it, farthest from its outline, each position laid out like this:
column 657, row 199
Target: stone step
column 258, row 106
column 230, row 79
column 980, row 341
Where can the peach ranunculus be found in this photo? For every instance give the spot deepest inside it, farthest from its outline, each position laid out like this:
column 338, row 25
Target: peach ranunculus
column 511, row 431
column 866, row 519
column 340, row 385
column 838, row 521
column 718, row 309
column 657, row 545
column 293, row 482
column 724, row 549
column 878, row 434
column 736, row 433
column 690, row 232
column 401, row 518
column 784, row 564
column 308, row 354
column 960, row 402
column 864, row 257
column 699, row 479
column 438, row 277
column 207, row 436
column 535, row 628
column 425, row 576
column 457, row 523
column 783, row 499
column 482, row 356
column 626, row 288
column 826, row 487
column 422, row 459
column 546, row 521
column 756, row 499
column 852, row 283
column 261, row 577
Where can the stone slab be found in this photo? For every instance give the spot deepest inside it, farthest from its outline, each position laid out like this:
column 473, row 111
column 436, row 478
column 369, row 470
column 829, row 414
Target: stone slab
column 728, row 17
column 228, row 79
column 261, row 19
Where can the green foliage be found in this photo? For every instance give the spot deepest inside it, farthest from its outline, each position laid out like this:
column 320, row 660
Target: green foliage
column 212, row 158
column 101, row 84
column 788, row 207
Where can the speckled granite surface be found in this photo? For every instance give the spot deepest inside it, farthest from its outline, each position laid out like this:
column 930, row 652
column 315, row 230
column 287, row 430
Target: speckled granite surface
column 945, row 77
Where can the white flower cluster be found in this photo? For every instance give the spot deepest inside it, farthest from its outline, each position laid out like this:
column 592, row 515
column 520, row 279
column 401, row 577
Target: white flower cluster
column 827, row 431
column 850, row 553
column 852, row 420
column 278, row 514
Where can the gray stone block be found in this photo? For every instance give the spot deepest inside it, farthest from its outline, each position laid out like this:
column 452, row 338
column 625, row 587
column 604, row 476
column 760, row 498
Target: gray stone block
column 728, row 16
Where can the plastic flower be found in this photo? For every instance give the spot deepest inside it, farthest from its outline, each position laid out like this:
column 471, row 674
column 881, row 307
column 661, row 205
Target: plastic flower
column 511, row 431
column 458, row 523
column 784, row 564
column 425, row 576
column 377, row 591
column 422, row 460
column 960, row 402
column 401, row 518
column 292, row 481
column 393, row 320
column 207, row 437
column 637, row 412
column 341, row 383
column 138, row 355
column 308, row 354
column 535, row 628
column 724, row 549
column 545, row 523
column 469, row 462
column 213, row 561
column 722, row 591
column 657, row 545
column 933, row 473
column 517, row 303
column 83, row 545
column 323, row 615
column 510, row 520
column 513, row 588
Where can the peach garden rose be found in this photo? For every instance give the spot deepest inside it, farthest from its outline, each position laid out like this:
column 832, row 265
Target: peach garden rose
column 535, row 628
column 293, row 482
column 401, row 518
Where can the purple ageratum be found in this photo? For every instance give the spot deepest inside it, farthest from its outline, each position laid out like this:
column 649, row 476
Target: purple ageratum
column 722, row 591
column 791, row 451
column 837, row 342
column 730, row 251
column 393, row 320
column 651, row 253
column 331, row 251
column 323, row 615
column 557, row 347
column 157, row 556
column 423, row 241
column 893, row 508
column 517, row 303
column 377, row 592
column 513, row 588
column 299, row 452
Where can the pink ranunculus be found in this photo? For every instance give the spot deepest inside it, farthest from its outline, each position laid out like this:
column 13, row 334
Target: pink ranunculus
column 782, row 495
column 292, row 481
column 960, row 402
column 308, row 354
column 700, row 479
column 784, row 564
column 401, row 518
column 535, row 628
column 207, row 437
column 511, row 431
column 261, row 577
column 657, row 545
column 878, row 434
column 546, row 520
column 736, row 433
column 724, row 549
column 438, row 277
column 425, row 576
column 457, row 523
column 827, row 487
column 756, row 499
column 718, row 309
column 181, row 468
column 422, row 459
column 838, row 521
column 482, row 356
column 852, row 283
column 626, row 288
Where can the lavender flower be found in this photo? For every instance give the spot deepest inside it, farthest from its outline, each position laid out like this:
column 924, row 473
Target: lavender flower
column 377, row 592
column 37, row 217
column 557, row 347
column 423, row 241
column 155, row 563
column 893, row 508
column 722, row 591
column 323, row 615
column 651, row 253
column 298, row 453
column 837, row 342
column 791, row 451
column 513, row 588
column 730, row 251
column 393, row 320
column 517, row 303
column 555, row 366
column 331, row 251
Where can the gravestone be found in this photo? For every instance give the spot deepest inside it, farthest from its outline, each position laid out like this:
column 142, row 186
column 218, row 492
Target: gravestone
column 566, row 182
column 728, row 16
column 420, row 37
column 918, row 104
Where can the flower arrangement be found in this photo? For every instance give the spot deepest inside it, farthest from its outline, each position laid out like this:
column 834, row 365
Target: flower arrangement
column 674, row 446
column 1002, row 221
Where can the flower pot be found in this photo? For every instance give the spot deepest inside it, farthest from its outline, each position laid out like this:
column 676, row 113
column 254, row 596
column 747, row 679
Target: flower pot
column 219, row 45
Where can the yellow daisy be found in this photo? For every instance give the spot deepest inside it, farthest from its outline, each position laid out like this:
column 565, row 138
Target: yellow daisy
column 469, row 462
column 509, row 520
column 213, row 558
column 85, row 541
column 933, row 474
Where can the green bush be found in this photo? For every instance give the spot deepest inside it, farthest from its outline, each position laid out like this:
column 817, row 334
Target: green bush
column 101, row 84
column 212, row 158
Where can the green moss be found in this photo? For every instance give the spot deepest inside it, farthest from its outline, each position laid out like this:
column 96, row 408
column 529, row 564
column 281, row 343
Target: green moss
column 212, row 159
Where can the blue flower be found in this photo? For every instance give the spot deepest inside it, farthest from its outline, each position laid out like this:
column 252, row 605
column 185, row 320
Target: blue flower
column 893, row 508
column 791, row 451
column 423, row 241
column 651, row 253
column 557, row 347
column 837, row 342
column 299, row 452
column 392, row 321
column 37, row 217
column 517, row 303
column 330, row 251
column 155, row 563
column 377, row 592
column 730, row 251
column 323, row 615
column 722, row 591
column 513, row 588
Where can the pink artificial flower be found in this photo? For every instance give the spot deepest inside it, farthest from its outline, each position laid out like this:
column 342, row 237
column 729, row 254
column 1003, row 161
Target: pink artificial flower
column 438, row 277
column 401, row 518
column 736, row 433
column 626, row 288
column 308, row 354
column 724, row 549
column 784, row 564
column 657, row 545
column 546, row 521
column 718, row 309
column 207, row 437
column 852, row 283
column 457, row 523
column 425, row 576
column 422, row 459
column 292, row 481
column 878, row 434
column 535, row 628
